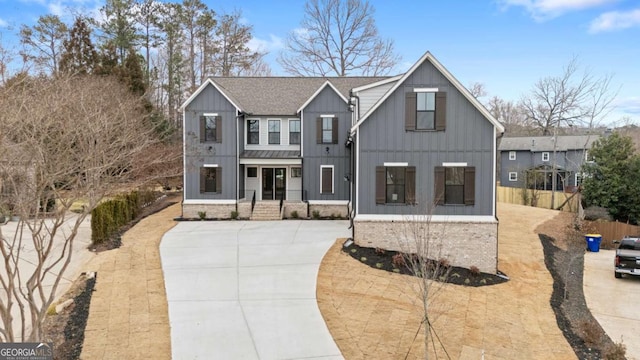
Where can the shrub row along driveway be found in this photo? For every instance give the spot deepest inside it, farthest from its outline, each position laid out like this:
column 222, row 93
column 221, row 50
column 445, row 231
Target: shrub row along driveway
column 247, row 289
column 374, row 314
column 613, row 302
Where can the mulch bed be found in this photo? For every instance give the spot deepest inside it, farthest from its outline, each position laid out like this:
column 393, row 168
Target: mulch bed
column 580, row 328
column 384, row 260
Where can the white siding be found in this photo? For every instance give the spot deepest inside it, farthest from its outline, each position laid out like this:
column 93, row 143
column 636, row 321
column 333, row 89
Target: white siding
column 370, row 96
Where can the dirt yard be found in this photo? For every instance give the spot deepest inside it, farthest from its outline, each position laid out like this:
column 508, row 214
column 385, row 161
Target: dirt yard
column 376, row 314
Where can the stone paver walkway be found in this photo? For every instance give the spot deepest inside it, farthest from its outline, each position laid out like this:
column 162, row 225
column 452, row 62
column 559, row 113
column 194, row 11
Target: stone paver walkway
column 128, row 318
column 374, row 314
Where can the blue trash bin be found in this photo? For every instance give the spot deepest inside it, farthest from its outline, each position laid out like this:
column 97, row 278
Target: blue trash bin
column 593, row 242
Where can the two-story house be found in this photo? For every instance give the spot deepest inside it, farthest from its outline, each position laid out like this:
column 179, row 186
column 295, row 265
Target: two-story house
column 530, row 161
column 384, row 151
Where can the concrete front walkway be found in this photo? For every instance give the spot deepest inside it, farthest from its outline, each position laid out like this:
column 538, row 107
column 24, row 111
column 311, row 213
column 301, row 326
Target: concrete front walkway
column 247, row 290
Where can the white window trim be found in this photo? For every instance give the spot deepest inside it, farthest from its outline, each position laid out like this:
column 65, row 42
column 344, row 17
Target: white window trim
column 586, row 157
column 512, row 155
column 280, row 121
column 210, row 114
column 396, row 164
column 575, row 180
column 514, row 178
column 327, row 116
column 545, row 154
column 425, row 90
column 333, row 177
column 454, row 164
column 289, row 132
column 246, row 132
column 291, row 172
column 210, row 165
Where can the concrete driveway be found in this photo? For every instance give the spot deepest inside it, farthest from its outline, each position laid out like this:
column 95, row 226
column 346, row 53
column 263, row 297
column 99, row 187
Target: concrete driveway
column 247, row 289
column 613, row 302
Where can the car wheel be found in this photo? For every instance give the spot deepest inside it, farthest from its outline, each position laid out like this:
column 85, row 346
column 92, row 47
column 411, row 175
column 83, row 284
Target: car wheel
column 617, row 274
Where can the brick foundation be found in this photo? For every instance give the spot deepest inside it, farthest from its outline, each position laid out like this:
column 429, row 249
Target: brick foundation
column 214, row 211
column 244, row 210
column 329, row 210
column 291, row 206
column 464, row 244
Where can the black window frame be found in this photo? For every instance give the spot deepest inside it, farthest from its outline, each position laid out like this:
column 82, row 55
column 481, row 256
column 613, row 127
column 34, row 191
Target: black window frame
column 252, row 169
column 327, row 129
column 210, row 180
column 291, row 133
column 279, row 132
column 426, row 111
column 253, row 137
column 296, row 172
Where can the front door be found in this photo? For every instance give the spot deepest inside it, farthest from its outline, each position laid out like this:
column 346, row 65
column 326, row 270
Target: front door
column 274, row 183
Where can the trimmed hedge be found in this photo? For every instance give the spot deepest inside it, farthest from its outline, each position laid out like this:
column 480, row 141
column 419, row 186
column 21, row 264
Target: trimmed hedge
column 110, row 216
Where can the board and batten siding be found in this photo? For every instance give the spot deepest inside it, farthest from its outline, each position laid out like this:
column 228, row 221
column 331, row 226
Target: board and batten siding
column 264, row 133
column 523, row 162
column 222, row 153
column 327, row 102
column 468, row 138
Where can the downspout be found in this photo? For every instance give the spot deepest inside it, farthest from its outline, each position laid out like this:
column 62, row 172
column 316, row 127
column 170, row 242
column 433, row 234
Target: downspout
column 495, row 193
column 353, row 154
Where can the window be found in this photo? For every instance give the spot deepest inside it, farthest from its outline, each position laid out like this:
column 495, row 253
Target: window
column 326, row 179
column 274, row 131
column 513, row 176
column 455, row 185
column 327, row 129
column 253, row 132
column 210, row 180
column 296, row 172
column 395, row 184
column 545, row 156
column 294, row 132
column 425, row 109
column 587, row 157
column 252, row 172
column 512, row 155
column 210, row 128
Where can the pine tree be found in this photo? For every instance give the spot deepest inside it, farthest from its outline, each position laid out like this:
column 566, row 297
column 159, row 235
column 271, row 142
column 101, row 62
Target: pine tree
column 79, row 55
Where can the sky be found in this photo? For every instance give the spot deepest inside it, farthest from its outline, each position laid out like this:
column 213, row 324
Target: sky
column 507, row 45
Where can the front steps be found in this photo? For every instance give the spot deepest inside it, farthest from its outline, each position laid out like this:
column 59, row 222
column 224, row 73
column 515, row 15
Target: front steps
column 266, row 210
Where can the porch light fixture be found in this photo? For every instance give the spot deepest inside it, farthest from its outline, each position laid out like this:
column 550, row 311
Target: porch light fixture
column 347, row 177
column 326, row 149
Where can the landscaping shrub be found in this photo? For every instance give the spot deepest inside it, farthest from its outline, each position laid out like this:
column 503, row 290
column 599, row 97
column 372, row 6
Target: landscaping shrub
column 108, row 217
column 234, row 215
column 294, row 214
column 315, row 214
column 596, row 213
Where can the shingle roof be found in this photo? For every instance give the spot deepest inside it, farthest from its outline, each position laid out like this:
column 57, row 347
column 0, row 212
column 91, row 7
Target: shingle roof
column 282, row 95
column 545, row 143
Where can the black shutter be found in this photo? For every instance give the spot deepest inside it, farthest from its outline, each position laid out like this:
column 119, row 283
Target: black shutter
column 469, row 185
column 218, row 180
column 202, row 128
column 410, row 185
column 439, row 185
column 218, row 129
column 381, row 181
column 410, row 104
column 319, row 130
column 334, row 129
column 441, row 111
column 203, row 179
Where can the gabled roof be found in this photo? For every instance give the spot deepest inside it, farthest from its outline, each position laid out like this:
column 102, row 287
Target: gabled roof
column 326, row 83
column 377, row 83
column 428, row 57
column 204, row 86
column 279, row 95
column 545, row 143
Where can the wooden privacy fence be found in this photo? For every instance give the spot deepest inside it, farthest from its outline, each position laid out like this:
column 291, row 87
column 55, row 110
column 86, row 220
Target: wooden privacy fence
column 612, row 230
column 537, row 198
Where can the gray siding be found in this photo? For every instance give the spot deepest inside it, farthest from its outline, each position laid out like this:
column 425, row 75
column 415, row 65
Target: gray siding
column 571, row 160
column 370, row 96
column 469, row 137
column 197, row 154
column 325, row 103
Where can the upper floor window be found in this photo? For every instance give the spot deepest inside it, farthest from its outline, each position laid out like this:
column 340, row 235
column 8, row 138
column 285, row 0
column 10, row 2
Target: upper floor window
column 425, row 109
column 294, row 132
column 512, row 155
column 274, row 131
column 327, row 129
column 545, row 156
column 455, row 185
column 395, row 184
column 210, row 128
column 513, row 176
column 253, row 132
column 588, row 157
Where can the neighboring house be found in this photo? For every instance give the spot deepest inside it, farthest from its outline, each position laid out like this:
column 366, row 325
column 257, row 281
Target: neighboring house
column 381, row 150
column 530, row 161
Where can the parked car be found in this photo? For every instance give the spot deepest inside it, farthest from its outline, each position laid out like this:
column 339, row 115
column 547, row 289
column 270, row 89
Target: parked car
column 627, row 257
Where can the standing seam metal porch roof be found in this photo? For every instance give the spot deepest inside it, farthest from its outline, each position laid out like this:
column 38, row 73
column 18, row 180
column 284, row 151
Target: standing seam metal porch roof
column 282, row 95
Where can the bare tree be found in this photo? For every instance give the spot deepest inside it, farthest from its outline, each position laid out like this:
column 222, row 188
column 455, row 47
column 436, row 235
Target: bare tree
column 340, row 38
column 568, row 99
column 61, row 140
column 233, row 54
column 478, row 90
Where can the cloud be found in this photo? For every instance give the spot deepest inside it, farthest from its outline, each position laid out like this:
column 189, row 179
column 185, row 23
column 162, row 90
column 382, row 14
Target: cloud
column 542, row 10
column 3, row 23
column 615, row 20
column 628, row 105
column 266, row 45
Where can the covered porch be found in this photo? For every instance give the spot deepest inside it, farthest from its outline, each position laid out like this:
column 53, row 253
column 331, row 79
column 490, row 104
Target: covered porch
column 270, row 175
